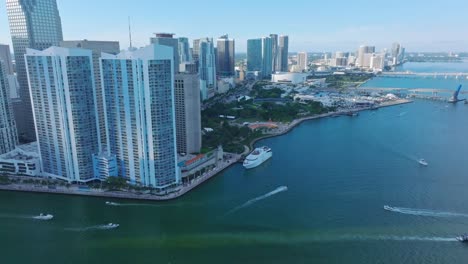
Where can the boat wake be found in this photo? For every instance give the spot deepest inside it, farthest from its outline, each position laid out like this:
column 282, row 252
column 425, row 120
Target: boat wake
column 256, row 199
column 138, row 204
column 402, row 114
column 92, row 228
column 423, row 212
column 399, row 238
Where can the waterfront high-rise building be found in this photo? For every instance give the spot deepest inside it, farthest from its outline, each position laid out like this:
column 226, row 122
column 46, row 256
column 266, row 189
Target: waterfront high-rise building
column 188, row 113
column 34, row 24
column 274, row 51
column 364, row 55
column 140, row 114
column 196, row 50
column 377, row 62
column 254, row 55
column 283, row 54
column 63, row 96
column 398, row 53
column 267, row 54
column 5, row 56
column 225, row 58
column 207, row 68
column 167, row 39
column 97, row 47
column 184, row 50
column 8, row 134
column 13, row 89
column 302, row 61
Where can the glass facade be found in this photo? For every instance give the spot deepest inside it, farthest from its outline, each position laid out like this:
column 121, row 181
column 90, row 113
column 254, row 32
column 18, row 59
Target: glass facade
column 267, row 56
column 184, row 50
column 225, row 57
column 254, row 55
column 140, row 115
column 283, row 52
column 8, row 135
column 34, row 24
column 207, row 67
column 64, row 107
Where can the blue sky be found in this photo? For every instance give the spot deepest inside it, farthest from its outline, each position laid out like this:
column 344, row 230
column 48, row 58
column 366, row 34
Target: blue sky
column 431, row 25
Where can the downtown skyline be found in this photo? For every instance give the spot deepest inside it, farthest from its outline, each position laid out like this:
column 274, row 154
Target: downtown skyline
column 349, row 26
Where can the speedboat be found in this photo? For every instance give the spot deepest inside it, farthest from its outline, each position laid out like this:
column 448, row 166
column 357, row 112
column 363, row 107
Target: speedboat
column 423, row 162
column 463, row 238
column 44, row 217
column 257, row 157
column 388, row 208
column 112, row 225
column 111, row 203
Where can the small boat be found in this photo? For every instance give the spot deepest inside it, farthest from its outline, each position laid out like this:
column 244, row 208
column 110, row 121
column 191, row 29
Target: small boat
column 111, row 203
column 463, row 238
column 43, row 217
column 423, row 162
column 111, row 226
column 388, row 208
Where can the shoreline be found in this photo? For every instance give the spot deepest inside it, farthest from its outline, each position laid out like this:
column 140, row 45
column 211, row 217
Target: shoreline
column 299, row 121
column 183, row 189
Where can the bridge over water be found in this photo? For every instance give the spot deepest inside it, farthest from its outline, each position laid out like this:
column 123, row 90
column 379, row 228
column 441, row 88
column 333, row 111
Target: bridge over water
column 427, row 74
column 409, row 90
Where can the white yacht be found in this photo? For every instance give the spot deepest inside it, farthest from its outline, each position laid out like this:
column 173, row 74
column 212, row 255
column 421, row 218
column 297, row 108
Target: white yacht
column 44, row 217
column 257, row 157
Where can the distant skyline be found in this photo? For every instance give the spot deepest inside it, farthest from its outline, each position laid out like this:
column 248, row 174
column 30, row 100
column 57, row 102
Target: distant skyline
column 311, row 26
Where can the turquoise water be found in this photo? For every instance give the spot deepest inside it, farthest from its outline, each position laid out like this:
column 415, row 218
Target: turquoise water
column 435, row 67
column 339, row 173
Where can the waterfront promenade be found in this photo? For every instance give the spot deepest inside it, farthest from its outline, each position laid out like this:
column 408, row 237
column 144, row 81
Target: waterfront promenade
column 125, row 194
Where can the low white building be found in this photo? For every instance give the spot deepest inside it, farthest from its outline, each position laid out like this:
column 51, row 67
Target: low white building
column 289, row 77
column 23, row 160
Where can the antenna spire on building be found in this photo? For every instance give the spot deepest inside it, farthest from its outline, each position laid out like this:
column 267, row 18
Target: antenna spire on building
column 130, row 33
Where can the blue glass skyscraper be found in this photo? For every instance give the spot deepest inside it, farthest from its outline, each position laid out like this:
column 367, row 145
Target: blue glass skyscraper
column 34, row 24
column 254, row 55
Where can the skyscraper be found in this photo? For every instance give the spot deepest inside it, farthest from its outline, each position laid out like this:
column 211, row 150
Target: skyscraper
column 207, row 67
column 225, row 58
column 167, row 39
column 8, row 134
column 97, row 47
column 196, row 50
column 5, row 56
column 364, row 55
column 184, row 50
column 140, row 114
column 267, row 54
column 64, row 105
column 34, row 24
column 283, row 52
column 302, row 61
column 274, row 51
column 254, row 55
column 188, row 113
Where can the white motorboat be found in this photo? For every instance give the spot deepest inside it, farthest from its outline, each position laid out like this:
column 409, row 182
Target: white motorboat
column 423, row 162
column 44, row 217
column 111, row 225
